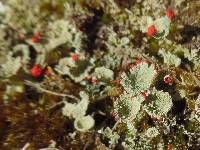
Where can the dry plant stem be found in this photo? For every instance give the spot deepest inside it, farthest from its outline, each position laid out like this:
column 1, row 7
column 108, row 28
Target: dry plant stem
column 116, row 124
column 56, row 105
column 102, row 97
column 38, row 87
column 101, row 113
column 26, row 146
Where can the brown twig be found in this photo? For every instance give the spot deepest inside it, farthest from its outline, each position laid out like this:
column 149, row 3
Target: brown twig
column 38, row 87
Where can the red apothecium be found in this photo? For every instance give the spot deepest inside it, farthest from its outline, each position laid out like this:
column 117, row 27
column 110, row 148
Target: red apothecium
column 170, row 14
column 151, row 31
column 36, row 71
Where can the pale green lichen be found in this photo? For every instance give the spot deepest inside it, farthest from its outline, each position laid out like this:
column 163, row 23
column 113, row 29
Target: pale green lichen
column 197, row 108
column 151, row 133
column 104, row 73
column 113, row 137
column 10, row 67
column 127, row 106
column 198, row 102
column 84, row 123
column 77, row 71
column 162, row 26
column 77, row 111
column 12, row 90
column 169, row 58
column 140, row 96
column 139, row 79
column 159, row 104
column 63, row 28
column 105, row 35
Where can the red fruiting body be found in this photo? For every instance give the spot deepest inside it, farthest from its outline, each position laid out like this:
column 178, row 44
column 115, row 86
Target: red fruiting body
column 74, row 57
column 138, row 61
column 168, row 80
column 145, row 95
column 169, row 147
column 47, row 73
column 35, row 39
column 114, row 115
column 151, row 31
column 130, row 66
column 170, row 14
column 117, row 81
column 94, row 80
column 36, row 71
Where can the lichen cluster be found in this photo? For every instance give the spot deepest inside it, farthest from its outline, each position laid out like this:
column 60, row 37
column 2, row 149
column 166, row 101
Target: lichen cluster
column 99, row 74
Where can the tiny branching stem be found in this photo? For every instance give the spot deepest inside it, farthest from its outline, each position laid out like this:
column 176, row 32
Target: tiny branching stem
column 38, row 87
column 116, row 124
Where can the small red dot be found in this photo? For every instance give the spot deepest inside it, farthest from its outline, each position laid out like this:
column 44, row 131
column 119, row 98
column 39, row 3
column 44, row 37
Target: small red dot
column 170, row 14
column 151, row 31
column 168, row 80
column 138, row 61
column 35, row 39
column 74, row 57
column 130, row 66
column 169, row 147
column 36, row 71
column 117, row 81
column 145, row 95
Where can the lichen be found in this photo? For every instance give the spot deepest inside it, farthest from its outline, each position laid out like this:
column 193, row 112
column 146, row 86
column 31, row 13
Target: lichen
column 108, row 74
